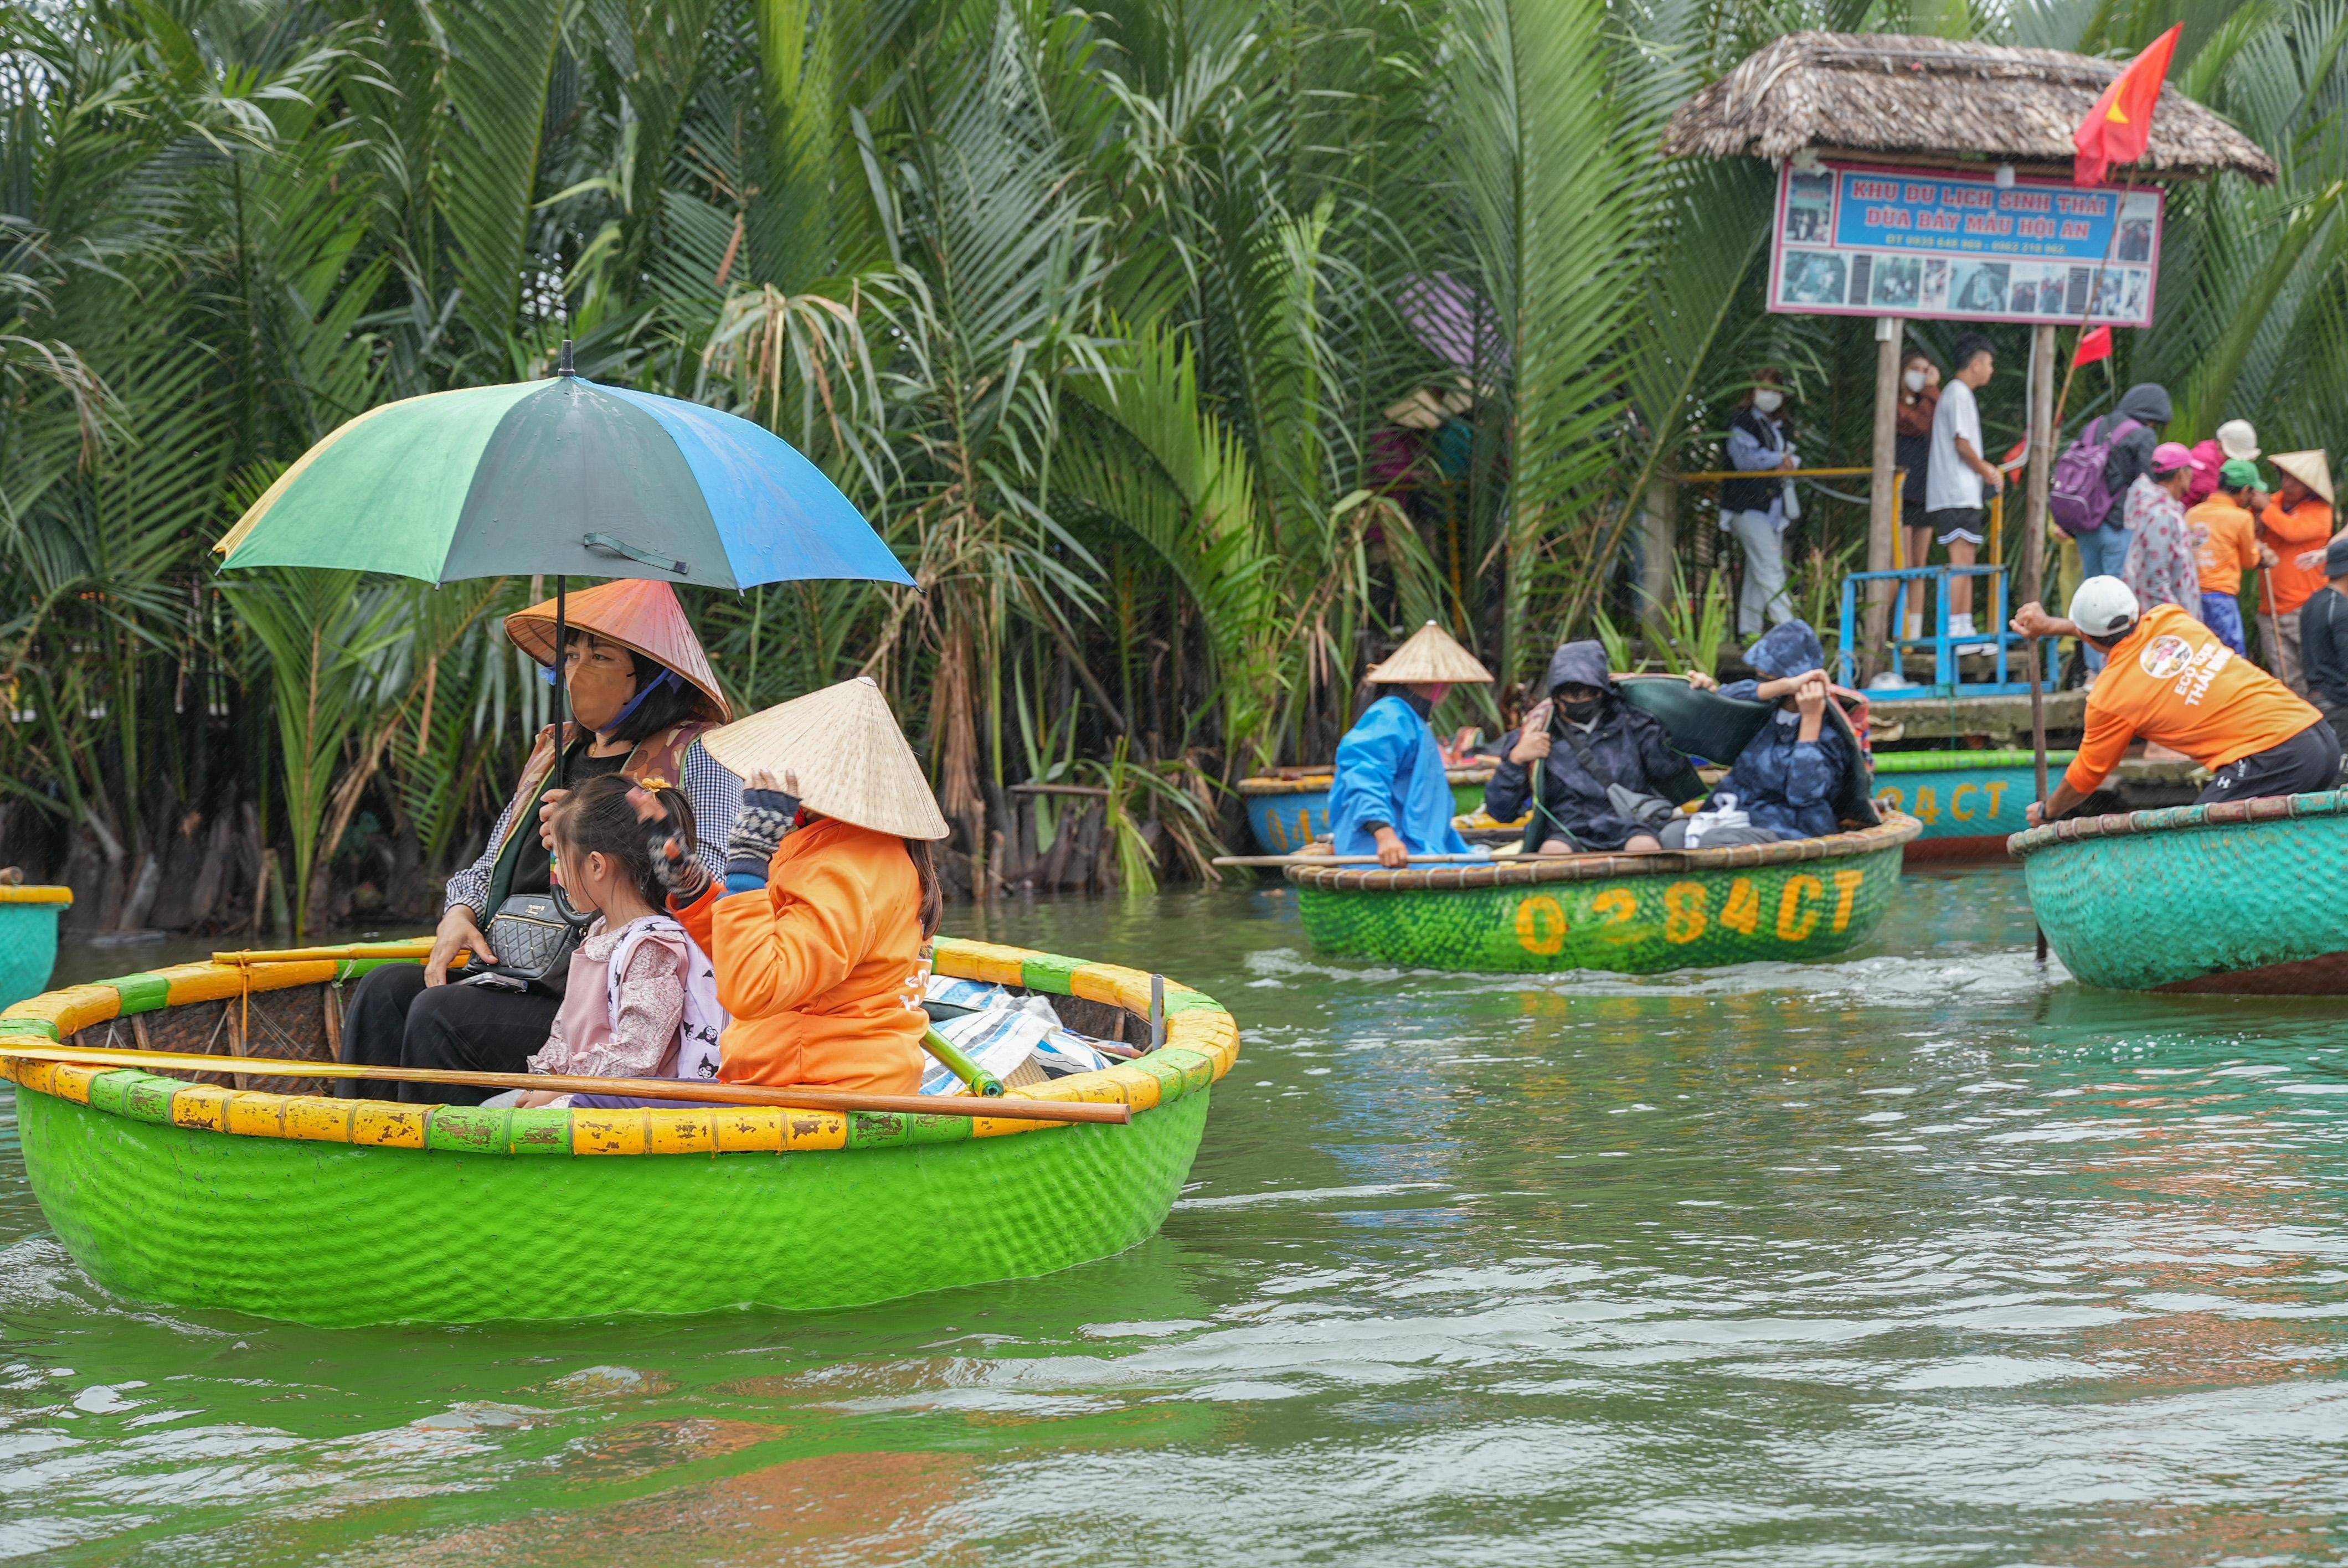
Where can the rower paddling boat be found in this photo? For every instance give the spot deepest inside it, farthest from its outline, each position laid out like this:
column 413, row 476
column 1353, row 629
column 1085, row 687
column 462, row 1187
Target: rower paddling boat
column 2237, row 898
column 1633, row 914
column 28, row 938
column 1288, row 812
column 347, row 1212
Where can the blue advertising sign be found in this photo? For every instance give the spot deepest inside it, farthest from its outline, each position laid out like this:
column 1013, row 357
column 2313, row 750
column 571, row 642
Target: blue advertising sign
column 1871, row 241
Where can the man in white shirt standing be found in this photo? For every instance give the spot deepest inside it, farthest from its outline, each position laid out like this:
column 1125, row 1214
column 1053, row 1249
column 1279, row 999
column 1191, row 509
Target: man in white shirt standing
column 1958, row 473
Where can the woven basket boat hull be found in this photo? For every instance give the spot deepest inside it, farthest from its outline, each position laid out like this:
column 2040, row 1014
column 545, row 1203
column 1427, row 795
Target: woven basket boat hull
column 28, row 938
column 1286, row 814
column 338, row 1212
column 1630, row 914
column 1967, row 810
column 2240, row 899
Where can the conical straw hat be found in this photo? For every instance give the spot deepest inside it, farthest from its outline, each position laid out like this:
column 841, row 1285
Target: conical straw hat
column 639, row 615
column 851, row 757
column 1432, row 657
column 2312, row 469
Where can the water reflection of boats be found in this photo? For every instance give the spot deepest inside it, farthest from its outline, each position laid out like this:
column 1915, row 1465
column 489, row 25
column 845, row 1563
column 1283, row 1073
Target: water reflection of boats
column 1637, row 914
column 28, row 938
column 342, row 1212
column 1289, row 810
column 2239, row 897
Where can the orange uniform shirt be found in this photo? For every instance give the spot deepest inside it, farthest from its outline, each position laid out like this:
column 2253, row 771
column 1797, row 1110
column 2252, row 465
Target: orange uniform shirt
column 821, row 970
column 2289, row 535
column 2225, row 540
column 2171, row 680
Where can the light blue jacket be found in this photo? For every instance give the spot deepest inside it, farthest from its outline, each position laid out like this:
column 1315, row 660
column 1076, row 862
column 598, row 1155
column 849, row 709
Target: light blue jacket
column 1390, row 770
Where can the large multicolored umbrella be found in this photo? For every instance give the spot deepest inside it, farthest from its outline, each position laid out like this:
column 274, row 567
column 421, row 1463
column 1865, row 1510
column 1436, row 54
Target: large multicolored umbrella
column 564, row 477
column 561, row 477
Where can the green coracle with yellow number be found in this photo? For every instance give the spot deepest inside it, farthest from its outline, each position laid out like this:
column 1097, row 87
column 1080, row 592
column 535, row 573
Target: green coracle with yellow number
column 1631, row 914
column 346, row 1212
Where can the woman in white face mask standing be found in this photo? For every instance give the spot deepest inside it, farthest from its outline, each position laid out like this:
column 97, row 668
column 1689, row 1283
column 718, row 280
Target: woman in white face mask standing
column 1920, row 397
column 1756, row 510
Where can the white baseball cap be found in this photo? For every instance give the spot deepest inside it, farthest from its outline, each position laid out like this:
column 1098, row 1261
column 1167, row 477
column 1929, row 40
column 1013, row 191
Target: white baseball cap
column 2238, row 441
column 2103, row 607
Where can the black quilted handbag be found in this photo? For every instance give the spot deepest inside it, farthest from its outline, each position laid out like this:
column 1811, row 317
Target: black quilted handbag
column 533, row 936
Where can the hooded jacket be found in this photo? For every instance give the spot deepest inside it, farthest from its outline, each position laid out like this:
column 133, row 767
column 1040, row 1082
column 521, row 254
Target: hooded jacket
column 2146, row 403
column 1390, row 773
column 1630, row 746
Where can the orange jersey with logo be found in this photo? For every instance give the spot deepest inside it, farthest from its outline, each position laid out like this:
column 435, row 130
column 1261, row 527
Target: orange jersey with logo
column 2225, row 540
column 2171, row 680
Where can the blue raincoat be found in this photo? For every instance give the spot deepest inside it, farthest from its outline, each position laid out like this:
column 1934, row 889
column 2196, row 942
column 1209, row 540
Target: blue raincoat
column 1783, row 783
column 1390, row 770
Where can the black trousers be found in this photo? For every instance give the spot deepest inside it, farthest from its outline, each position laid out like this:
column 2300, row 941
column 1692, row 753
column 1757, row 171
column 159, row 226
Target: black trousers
column 395, row 1021
column 2307, row 763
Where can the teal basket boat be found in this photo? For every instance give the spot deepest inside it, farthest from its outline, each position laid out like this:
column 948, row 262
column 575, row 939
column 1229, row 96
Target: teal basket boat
column 1634, row 914
column 2240, row 899
column 28, row 938
column 1289, row 811
column 1970, row 802
column 346, row 1212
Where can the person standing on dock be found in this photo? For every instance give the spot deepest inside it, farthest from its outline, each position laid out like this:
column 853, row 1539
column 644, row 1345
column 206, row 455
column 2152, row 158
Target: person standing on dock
column 2160, row 568
column 1919, row 399
column 1959, row 475
column 1756, row 510
column 1392, row 796
column 2323, row 637
column 2167, row 678
column 2296, row 525
column 2224, row 530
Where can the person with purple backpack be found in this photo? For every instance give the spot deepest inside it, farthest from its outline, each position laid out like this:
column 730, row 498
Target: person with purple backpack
column 2090, row 497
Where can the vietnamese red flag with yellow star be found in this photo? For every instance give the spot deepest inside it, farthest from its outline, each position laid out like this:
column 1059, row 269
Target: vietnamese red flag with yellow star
column 2119, row 127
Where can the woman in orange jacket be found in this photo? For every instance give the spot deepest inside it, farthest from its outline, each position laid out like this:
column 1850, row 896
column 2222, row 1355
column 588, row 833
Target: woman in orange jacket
column 820, row 931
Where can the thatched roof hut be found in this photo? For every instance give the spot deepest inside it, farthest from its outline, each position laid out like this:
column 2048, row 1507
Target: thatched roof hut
column 1889, row 97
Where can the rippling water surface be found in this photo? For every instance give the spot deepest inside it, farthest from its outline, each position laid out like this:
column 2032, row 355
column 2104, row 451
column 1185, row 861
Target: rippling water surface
column 1924, row 1257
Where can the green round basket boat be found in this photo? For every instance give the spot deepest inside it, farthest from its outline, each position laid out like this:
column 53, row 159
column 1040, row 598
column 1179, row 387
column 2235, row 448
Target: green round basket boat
column 346, row 1212
column 1634, row 914
column 28, row 938
column 2241, row 897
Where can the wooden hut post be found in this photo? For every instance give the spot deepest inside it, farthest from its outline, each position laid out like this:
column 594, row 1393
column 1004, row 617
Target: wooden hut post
column 1883, row 497
column 1659, row 544
column 2042, row 460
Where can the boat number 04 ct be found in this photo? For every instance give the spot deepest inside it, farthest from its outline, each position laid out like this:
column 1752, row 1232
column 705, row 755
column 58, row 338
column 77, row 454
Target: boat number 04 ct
column 1804, row 903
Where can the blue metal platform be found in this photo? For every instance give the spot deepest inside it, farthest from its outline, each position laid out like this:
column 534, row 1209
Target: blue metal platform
column 2010, row 654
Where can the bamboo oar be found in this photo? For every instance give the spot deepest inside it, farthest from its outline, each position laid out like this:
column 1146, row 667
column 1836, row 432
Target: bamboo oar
column 1009, row 1107
column 394, row 950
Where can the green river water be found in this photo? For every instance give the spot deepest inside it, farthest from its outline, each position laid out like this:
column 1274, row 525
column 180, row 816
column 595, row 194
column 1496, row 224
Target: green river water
column 1921, row 1257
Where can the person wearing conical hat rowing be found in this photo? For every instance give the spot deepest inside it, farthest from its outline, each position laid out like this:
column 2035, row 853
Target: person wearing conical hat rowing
column 830, row 896
column 641, row 695
column 1391, row 798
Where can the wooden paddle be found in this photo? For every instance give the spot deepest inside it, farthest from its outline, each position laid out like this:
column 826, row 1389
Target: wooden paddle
column 1008, row 1107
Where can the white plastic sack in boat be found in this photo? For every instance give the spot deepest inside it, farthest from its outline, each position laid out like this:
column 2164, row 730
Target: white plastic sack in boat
column 1003, row 1034
column 1720, row 813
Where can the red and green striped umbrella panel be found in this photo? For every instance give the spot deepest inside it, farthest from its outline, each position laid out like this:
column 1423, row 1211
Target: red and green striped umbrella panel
column 565, row 477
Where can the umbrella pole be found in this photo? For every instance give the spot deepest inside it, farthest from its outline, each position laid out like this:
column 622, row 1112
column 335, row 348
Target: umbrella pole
column 561, row 692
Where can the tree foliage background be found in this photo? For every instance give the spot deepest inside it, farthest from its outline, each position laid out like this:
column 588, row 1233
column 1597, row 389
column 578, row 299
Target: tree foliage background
column 1104, row 315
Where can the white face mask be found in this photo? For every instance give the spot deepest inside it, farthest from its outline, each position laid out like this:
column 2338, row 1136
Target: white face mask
column 1915, row 380
column 1768, row 400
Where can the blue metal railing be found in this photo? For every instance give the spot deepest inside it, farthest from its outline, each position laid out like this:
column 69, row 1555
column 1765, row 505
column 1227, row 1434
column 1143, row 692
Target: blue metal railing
column 2009, row 654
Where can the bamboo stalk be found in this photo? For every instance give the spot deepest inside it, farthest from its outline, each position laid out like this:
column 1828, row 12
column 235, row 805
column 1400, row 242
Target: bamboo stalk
column 412, row 949
column 1009, row 1108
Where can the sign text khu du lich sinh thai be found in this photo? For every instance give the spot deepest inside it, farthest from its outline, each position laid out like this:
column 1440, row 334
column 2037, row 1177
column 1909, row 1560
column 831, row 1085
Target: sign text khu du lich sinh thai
column 1864, row 239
